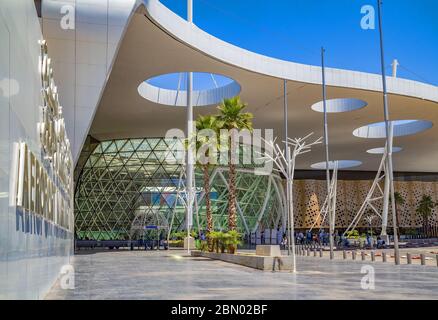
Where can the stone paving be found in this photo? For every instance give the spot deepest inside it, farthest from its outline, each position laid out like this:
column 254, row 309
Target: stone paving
column 174, row 275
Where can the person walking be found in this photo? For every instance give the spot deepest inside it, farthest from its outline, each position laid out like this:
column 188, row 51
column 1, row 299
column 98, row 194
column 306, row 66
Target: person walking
column 308, row 237
column 279, row 235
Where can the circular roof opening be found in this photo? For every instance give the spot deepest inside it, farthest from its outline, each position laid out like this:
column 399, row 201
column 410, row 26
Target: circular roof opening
column 340, row 105
column 342, row 164
column 401, row 128
column 382, row 150
column 171, row 89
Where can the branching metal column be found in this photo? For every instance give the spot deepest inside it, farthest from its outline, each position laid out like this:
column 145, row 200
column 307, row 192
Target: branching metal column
column 388, row 127
column 289, row 184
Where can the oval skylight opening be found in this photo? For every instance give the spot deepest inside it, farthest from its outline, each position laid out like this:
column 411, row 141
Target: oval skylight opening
column 342, row 164
column 171, row 89
column 382, row 150
column 401, row 128
column 340, row 105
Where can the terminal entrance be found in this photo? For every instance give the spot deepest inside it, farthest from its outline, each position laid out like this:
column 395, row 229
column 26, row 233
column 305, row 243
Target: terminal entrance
column 149, row 229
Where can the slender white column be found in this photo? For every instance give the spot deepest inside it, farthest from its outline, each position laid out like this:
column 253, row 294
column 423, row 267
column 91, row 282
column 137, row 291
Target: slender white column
column 327, row 159
column 190, row 158
column 334, row 194
column 388, row 127
column 385, row 202
column 395, row 65
column 190, row 11
column 286, row 147
column 289, row 184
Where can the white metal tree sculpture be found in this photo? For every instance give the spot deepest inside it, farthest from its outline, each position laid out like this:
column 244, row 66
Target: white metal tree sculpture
column 284, row 161
column 182, row 195
column 375, row 195
column 329, row 202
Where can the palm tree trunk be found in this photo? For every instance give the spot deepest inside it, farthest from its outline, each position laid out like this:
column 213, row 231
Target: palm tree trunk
column 208, row 206
column 207, row 198
column 232, row 189
column 232, row 199
column 425, row 225
column 397, row 219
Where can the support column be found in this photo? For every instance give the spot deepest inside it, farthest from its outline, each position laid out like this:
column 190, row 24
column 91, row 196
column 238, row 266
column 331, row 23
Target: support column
column 189, row 165
column 389, row 130
column 327, row 159
column 289, row 186
column 385, row 202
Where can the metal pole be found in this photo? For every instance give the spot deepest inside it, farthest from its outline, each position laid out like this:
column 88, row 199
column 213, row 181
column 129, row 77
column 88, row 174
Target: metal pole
column 386, row 191
column 286, row 146
column 327, row 160
column 388, row 128
column 291, row 224
column 189, row 166
column 190, row 11
column 289, row 187
column 334, row 197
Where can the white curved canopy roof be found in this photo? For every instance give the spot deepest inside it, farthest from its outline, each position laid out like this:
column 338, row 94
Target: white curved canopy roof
column 157, row 41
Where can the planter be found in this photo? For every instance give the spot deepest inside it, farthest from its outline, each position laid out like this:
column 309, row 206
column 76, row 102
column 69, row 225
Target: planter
column 232, row 249
column 281, row 263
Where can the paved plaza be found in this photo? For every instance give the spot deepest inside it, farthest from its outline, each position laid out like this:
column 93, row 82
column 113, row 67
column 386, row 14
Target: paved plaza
column 173, row 275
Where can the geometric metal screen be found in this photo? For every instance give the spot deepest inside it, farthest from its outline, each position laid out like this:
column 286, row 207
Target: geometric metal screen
column 124, row 177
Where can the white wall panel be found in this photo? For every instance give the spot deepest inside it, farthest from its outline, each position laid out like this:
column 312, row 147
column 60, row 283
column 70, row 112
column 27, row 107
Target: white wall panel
column 62, row 50
column 91, row 32
column 99, row 26
column 27, row 265
column 90, row 74
column 52, row 29
column 86, row 97
column 92, row 11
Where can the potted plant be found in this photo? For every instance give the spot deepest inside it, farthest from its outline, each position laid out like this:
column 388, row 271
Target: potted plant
column 399, row 201
column 215, row 239
column 425, row 209
column 223, row 240
column 232, row 241
column 203, row 246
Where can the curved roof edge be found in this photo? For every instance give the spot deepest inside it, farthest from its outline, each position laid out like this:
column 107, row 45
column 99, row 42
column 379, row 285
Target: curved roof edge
column 198, row 39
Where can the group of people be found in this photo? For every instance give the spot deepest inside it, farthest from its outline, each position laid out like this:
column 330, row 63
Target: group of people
column 340, row 241
column 321, row 238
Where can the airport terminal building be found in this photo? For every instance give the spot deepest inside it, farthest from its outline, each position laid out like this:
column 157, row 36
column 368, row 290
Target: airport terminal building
column 85, row 115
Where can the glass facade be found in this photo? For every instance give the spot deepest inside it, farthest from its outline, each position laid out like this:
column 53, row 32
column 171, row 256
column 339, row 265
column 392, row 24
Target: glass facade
column 123, row 179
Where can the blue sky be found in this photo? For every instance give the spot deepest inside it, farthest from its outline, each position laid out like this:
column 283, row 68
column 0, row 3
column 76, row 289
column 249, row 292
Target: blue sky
column 295, row 30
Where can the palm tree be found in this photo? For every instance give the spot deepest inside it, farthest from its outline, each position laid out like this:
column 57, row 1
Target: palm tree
column 207, row 123
column 399, row 200
column 231, row 117
column 424, row 208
